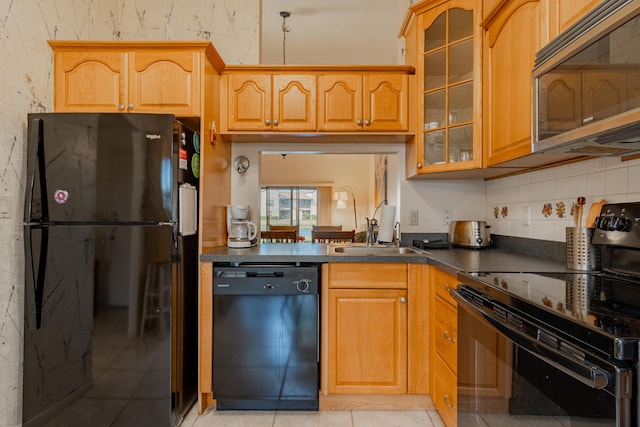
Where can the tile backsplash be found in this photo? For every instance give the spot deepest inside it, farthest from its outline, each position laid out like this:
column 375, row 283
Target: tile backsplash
column 539, row 204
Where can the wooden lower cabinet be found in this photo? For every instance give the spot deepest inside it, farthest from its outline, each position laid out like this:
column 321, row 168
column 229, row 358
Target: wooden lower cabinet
column 368, row 341
column 375, row 335
column 367, row 328
column 444, row 345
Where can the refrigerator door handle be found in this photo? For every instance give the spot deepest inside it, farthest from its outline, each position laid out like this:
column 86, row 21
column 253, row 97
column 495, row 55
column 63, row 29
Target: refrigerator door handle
column 44, row 199
column 38, row 278
column 32, row 159
column 36, row 156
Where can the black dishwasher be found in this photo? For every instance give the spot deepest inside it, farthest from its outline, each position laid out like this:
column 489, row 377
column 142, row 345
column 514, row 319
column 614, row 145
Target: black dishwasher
column 265, row 337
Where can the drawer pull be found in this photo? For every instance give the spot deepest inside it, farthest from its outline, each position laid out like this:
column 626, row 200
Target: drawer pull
column 446, row 287
column 448, row 338
column 446, row 402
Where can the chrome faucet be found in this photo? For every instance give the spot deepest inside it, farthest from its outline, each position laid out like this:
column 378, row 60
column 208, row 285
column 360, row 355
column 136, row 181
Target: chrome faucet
column 371, row 226
column 396, row 228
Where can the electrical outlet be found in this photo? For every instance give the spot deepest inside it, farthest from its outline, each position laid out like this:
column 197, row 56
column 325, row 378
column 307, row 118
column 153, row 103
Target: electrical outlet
column 413, row 217
column 446, row 216
column 526, row 215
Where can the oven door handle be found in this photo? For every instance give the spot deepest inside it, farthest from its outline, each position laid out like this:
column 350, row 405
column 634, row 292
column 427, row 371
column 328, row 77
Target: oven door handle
column 588, row 374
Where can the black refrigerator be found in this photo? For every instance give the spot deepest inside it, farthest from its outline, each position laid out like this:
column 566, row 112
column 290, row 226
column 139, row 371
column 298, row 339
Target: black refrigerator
column 111, row 260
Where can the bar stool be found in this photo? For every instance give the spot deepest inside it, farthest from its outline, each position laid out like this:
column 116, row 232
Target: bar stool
column 156, row 301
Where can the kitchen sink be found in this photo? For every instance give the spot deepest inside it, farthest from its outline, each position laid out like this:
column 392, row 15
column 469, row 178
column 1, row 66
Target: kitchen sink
column 375, row 250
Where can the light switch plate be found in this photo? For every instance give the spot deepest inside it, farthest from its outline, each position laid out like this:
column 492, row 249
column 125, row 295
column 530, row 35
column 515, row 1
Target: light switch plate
column 413, row 217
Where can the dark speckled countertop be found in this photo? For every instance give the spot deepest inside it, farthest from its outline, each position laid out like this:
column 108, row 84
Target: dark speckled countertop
column 450, row 260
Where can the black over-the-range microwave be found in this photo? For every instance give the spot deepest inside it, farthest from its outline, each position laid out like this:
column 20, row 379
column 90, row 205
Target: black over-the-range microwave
column 586, row 85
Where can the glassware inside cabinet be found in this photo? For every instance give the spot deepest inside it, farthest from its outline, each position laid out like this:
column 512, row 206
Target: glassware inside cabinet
column 435, row 149
column 435, row 107
column 461, row 144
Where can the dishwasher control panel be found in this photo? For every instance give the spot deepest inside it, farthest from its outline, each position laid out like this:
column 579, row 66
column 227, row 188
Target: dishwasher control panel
column 265, row 280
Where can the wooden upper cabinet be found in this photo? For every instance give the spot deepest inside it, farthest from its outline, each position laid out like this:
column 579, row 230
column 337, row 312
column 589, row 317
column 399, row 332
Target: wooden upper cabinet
column 448, row 61
column 249, row 102
column 386, row 102
column 107, row 77
column 91, row 81
column 271, row 102
column 517, row 26
column 294, row 103
column 340, row 102
column 357, row 102
column 164, row 81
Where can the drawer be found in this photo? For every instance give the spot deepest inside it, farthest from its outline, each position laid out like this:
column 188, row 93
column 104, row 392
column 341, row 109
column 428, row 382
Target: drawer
column 446, row 332
column 445, row 395
column 442, row 282
column 368, row 275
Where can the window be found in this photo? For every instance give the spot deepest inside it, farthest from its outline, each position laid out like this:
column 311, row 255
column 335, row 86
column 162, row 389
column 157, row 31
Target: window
column 289, row 206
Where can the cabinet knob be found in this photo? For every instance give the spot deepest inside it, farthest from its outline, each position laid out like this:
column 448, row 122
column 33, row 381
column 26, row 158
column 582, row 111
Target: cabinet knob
column 130, row 106
column 403, row 300
column 448, row 338
column 419, row 166
column 267, row 122
column 446, row 287
column 359, row 122
column 121, row 107
column 275, row 122
column 446, row 402
column 367, row 122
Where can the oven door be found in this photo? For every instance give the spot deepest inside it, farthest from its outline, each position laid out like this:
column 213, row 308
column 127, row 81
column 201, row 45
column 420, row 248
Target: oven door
column 506, row 377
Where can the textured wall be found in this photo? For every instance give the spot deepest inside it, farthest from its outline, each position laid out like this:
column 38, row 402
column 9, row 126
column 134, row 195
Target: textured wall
column 26, row 85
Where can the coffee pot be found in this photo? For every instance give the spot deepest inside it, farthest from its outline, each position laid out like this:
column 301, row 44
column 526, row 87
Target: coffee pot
column 241, row 232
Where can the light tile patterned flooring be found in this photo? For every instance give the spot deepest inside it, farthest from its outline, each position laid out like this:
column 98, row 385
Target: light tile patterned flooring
column 361, row 418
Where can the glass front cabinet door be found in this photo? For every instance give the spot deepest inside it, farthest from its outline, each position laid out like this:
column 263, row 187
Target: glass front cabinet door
column 449, row 137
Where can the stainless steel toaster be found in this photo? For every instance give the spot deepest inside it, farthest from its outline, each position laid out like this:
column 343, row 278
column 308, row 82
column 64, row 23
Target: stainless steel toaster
column 470, row 234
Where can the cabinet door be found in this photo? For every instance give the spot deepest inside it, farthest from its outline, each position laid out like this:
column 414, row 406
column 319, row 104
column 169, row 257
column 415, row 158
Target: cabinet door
column 340, row 102
column 385, row 102
column 367, row 341
column 294, row 103
column 445, row 393
column 449, row 118
column 164, row 81
column 507, row 100
column 249, row 102
column 91, row 81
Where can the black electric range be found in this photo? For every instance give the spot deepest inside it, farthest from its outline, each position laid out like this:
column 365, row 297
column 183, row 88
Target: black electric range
column 570, row 341
column 599, row 309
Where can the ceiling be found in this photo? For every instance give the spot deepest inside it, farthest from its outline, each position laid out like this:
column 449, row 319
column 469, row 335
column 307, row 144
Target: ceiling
column 333, row 31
